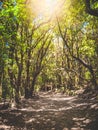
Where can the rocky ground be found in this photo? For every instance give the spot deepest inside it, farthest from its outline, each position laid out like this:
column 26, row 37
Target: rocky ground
column 52, row 111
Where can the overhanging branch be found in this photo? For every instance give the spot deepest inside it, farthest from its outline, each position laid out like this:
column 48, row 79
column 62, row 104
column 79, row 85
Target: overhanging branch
column 89, row 10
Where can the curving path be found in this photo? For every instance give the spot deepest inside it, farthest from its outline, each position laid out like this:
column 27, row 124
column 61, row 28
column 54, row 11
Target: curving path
column 50, row 111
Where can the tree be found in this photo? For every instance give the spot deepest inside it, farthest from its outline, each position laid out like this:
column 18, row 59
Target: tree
column 70, row 33
column 91, row 7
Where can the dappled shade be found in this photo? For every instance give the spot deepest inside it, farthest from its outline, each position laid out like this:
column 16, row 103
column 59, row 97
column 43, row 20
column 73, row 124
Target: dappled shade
column 52, row 112
column 49, row 64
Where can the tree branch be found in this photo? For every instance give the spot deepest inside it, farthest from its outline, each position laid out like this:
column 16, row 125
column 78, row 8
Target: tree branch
column 89, row 10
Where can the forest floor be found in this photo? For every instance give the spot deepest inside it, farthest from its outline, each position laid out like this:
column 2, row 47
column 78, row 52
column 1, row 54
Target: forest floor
column 50, row 111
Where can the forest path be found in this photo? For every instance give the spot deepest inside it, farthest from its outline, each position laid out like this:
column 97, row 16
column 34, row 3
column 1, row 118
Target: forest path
column 52, row 112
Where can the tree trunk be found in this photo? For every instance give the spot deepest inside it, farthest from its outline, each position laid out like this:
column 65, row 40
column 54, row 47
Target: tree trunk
column 27, row 93
column 17, row 96
column 32, row 87
column 93, row 79
column 4, row 87
column 17, row 90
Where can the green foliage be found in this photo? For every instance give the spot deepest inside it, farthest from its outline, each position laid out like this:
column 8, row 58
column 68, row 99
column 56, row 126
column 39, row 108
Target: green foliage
column 35, row 52
column 87, row 75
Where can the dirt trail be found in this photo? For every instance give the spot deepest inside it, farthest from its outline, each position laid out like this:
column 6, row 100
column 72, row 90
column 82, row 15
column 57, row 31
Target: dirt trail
column 51, row 112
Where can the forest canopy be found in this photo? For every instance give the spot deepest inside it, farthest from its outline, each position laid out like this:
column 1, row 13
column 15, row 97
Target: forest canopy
column 49, row 43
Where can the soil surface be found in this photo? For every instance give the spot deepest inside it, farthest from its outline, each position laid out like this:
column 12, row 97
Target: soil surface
column 51, row 111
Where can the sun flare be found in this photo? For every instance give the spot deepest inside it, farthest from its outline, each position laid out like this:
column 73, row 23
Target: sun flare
column 50, row 6
column 47, row 8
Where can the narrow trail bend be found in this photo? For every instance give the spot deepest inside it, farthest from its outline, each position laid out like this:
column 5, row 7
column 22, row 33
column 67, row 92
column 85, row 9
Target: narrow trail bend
column 51, row 112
